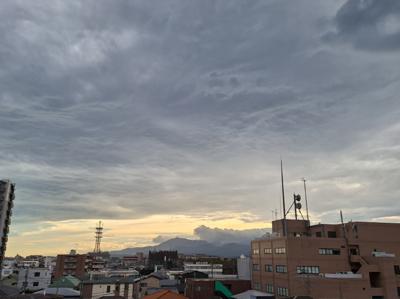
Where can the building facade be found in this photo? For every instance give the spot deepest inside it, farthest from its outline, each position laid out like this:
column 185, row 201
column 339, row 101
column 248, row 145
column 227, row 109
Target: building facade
column 166, row 258
column 7, row 196
column 112, row 286
column 33, row 279
column 352, row 260
column 243, row 267
column 210, row 269
column 71, row 264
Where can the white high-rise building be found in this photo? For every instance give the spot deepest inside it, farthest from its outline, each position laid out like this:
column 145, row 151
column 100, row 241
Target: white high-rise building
column 6, row 204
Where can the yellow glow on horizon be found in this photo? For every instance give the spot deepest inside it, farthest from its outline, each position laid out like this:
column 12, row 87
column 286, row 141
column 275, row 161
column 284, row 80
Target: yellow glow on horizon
column 57, row 237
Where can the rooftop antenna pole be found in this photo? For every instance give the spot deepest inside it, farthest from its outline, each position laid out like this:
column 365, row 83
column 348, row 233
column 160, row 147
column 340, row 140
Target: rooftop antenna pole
column 305, row 197
column 283, row 203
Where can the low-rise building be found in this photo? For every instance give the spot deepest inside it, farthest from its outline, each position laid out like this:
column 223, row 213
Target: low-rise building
column 113, row 273
column 28, row 263
column 207, row 288
column 152, row 283
column 166, row 258
column 133, row 260
column 33, row 279
column 205, row 267
column 111, row 286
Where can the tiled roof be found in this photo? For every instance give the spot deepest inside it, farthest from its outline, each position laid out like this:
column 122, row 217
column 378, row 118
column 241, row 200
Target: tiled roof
column 166, row 294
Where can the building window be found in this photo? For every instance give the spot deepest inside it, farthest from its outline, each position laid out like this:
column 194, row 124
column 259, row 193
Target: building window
column 375, row 279
column 37, row 274
column 329, row 251
column 280, row 250
column 308, row 270
column 397, row 269
column 256, row 267
column 282, row 291
column 281, row 269
column 35, row 284
column 398, row 291
column 269, row 288
column 331, row 234
column 256, row 286
column 268, row 268
column 108, row 289
column 256, row 251
column 267, row 250
column 318, row 234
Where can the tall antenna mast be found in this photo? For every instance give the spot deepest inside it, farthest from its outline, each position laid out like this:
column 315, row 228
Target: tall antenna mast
column 283, row 203
column 305, row 197
column 98, row 236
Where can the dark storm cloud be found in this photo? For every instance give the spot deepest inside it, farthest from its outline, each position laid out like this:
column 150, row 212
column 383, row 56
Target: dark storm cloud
column 368, row 24
column 125, row 109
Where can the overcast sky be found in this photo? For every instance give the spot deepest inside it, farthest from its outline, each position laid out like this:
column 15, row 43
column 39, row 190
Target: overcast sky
column 158, row 117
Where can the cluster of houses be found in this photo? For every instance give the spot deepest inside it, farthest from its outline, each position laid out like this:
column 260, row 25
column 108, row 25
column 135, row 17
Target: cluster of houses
column 85, row 276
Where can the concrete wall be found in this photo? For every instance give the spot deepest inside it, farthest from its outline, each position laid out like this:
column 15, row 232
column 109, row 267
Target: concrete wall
column 33, row 279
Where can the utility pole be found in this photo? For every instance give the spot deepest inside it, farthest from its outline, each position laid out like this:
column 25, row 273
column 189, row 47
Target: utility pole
column 283, row 203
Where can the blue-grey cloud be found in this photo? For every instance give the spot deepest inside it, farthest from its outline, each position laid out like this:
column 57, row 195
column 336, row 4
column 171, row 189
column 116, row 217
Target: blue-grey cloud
column 367, row 24
column 126, row 109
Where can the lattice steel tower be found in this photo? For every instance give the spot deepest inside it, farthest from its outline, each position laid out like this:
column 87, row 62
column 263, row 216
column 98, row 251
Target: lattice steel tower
column 98, row 235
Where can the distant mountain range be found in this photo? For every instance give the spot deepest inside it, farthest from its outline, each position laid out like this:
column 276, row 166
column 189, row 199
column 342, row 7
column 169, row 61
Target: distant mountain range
column 187, row 246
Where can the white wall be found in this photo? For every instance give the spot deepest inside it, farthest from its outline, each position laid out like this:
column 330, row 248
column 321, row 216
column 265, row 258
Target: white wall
column 33, row 279
column 243, row 268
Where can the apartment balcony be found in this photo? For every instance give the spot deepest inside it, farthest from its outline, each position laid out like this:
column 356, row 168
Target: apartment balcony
column 343, row 275
column 70, row 260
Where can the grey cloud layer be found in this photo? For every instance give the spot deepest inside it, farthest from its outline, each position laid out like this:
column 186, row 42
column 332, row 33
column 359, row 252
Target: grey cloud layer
column 121, row 109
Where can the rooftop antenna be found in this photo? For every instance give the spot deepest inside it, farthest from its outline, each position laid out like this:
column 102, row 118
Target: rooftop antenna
column 274, row 213
column 305, row 197
column 98, row 236
column 283, row 202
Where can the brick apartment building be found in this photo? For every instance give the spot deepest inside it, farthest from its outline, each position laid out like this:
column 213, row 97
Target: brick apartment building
column 71, row 264
column 356, row 260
